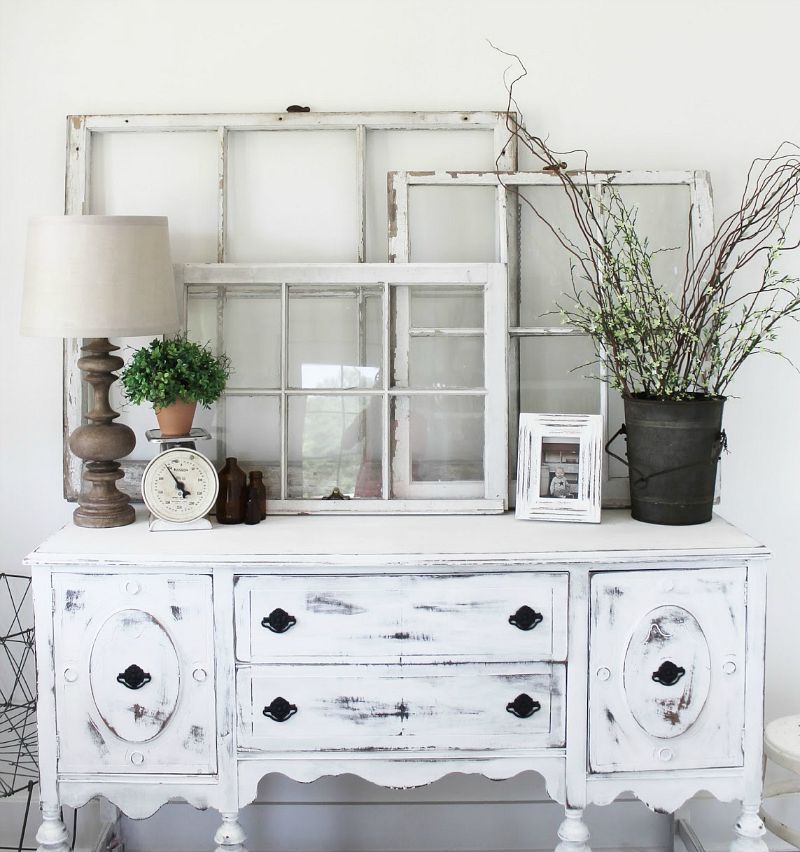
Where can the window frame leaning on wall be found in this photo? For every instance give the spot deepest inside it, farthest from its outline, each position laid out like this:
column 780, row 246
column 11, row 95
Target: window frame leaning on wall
column 218, row 281
column 508, row 250
column 81, row 129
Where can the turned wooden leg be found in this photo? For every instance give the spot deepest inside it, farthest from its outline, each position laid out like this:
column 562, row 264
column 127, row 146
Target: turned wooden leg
column 229, row 836
column 52, row 834
column 573, row 832
column 750, row 831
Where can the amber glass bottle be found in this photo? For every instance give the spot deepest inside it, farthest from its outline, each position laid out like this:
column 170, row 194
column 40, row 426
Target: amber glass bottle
column 232, row 498
column 257, row 484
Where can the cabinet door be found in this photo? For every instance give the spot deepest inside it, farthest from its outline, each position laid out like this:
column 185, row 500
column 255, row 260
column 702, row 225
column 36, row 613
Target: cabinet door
column 666, row 669
column 134, row 665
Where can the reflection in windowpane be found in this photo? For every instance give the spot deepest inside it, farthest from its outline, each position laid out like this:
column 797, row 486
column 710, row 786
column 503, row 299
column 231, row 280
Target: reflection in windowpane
column 335, row 339
column 252, row 331
column 446, row 307
column 253, row 436
column 437, row 439
column 446, row 362
column 335, row 441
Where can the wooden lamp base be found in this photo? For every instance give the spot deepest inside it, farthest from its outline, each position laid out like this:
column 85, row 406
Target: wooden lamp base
column 100, row 443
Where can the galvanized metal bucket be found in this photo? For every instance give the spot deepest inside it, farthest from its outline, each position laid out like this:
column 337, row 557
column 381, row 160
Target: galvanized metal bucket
column 673, row 450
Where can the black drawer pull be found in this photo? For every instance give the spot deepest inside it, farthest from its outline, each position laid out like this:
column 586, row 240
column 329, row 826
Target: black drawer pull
column 523, row 706
column 668, row 673
column 279, row 710
column 525, row 618
column 278, row 621
column 133, row 677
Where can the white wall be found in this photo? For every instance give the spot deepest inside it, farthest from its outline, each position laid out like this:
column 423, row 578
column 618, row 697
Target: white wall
column 662, row 84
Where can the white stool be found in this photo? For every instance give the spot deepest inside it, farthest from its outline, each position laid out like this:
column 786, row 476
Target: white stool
column 782, row 746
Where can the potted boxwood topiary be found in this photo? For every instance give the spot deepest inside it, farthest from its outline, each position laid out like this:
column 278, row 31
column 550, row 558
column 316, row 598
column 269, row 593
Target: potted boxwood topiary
column 673, row 356
column 175, row 374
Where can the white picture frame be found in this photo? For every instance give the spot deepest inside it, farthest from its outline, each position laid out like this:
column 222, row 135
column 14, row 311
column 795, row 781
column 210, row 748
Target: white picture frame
column 559, row 467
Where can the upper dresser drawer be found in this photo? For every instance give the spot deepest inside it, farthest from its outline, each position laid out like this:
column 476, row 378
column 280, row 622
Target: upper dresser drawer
column 509, row 617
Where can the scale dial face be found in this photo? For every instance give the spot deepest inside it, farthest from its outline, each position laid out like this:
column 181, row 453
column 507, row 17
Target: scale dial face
column 180, row 485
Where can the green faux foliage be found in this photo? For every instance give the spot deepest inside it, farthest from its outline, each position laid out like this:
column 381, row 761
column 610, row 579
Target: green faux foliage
column 175, row 369
column 658, row 345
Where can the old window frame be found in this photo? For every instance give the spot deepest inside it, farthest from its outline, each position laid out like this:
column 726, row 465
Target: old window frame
column 82, row 129
column 220, row 279
column 507, row 241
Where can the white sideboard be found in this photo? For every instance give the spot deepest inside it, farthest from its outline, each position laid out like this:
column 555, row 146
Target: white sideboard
column 611, row 658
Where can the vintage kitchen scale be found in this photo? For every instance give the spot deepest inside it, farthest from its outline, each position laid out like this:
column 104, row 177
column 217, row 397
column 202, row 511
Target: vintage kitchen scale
column 180, row 485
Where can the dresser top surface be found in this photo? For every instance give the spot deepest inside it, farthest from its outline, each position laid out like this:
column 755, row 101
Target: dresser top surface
column 380, row 539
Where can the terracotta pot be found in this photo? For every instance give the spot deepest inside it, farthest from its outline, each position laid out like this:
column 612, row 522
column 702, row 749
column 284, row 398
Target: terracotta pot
column 176, row 420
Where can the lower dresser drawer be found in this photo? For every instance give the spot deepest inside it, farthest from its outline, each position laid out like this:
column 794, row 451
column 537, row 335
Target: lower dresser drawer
column 376, row 708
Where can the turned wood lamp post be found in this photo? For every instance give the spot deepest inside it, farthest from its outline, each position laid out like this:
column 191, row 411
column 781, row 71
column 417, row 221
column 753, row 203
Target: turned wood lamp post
column 96, row 277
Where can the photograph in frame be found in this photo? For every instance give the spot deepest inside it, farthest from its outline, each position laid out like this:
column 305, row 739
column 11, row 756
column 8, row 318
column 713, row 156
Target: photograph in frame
column 559, row 467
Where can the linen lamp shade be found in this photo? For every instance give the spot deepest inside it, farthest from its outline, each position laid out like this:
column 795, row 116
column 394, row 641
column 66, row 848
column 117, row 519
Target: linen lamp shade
column 98, row 276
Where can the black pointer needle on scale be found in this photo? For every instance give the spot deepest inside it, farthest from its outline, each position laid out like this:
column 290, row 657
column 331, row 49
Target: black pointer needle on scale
column 178, row 484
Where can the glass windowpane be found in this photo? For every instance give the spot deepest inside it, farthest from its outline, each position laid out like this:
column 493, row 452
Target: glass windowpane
column 252, row 331
column 452, row 224
column 445, row 436
column 446, row 362
column 398, row 150
column 291, row 196
column 335, row 340
column 544, row 262
column 253, row 436
column 551, row 378
column 662, row 217
column 335, row 441
column 446, row 307
column 201, row 320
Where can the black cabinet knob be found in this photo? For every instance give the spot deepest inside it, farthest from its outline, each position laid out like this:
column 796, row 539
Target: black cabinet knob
column 525, row 618
column 279, row 710
column 278, row 621
column 134, row 677
column 523, row 706
column 668, row 673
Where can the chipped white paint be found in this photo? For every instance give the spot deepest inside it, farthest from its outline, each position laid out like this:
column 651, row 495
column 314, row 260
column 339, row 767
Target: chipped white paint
column 508, row 245
column 403, row 662
column 399, row 492
column 411, row 618
column 401, row 708
column 535, row 500
column 103, row 625
column 82, row 128
column 640, row 624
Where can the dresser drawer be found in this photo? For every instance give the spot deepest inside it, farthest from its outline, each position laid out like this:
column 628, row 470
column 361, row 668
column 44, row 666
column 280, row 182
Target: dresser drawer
column 366, row 708
column 514, row 617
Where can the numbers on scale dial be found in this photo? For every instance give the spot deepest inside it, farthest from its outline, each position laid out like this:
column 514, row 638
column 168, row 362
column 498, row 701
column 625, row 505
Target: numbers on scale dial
column 180, row 485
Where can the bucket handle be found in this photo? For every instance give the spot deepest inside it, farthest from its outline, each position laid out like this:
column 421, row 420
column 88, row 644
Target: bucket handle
column 720, row 445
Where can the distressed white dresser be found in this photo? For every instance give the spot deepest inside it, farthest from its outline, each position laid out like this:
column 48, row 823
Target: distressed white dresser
column 609, row 658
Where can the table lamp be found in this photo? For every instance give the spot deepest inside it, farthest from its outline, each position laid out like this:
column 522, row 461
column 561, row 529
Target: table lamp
column 97, row 277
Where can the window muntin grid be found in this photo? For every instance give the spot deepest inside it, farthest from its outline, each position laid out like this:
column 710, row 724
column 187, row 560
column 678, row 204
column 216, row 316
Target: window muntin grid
column 353, row 412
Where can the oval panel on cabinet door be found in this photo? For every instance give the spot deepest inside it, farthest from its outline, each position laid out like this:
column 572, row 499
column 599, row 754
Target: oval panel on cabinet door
column 135, row 675
column 667, row 672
